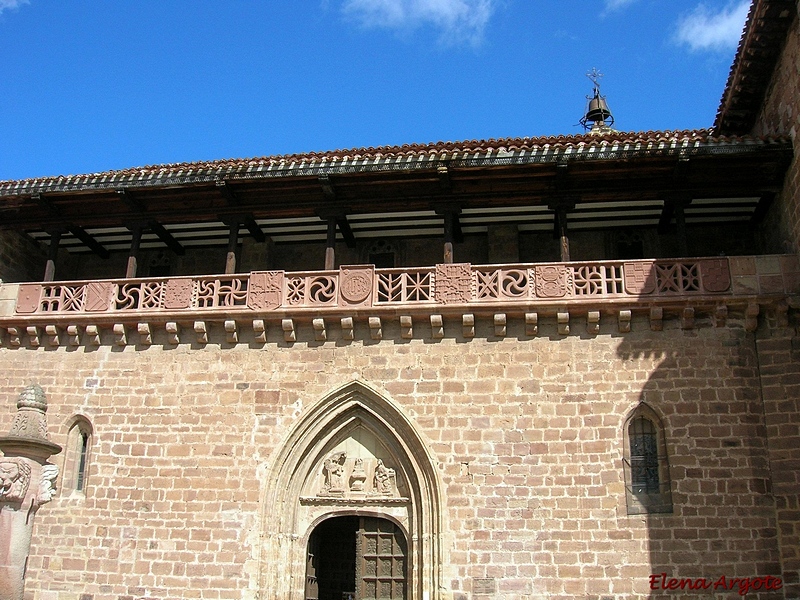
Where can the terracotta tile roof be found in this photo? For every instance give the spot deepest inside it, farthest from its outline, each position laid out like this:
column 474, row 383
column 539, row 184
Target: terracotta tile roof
column 759, row 50
column 609, row 146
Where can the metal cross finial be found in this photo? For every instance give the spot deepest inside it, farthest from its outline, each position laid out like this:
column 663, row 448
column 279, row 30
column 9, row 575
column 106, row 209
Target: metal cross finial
column 594, row 76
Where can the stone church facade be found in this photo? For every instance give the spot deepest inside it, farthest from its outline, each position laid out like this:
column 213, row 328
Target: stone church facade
column 431, row 372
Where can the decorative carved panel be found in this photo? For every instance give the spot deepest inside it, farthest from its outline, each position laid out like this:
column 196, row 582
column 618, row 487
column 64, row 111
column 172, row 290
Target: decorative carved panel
column 640, row 278
column 355, row 285
column 265, row 291
column 98, row 296
column 453, row 283
column 715, row 274
column 28, row 298
column 553, row 281
column 178, row 294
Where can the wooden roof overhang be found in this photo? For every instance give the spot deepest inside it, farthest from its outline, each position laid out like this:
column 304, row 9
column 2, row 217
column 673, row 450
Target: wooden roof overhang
column 611, row 180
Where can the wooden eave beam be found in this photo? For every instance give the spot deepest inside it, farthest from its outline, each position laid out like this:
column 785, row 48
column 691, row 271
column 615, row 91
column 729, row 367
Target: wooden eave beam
column 227, row 192
column 78, row 232
column 166, row 237
column 762, row 207
column 254, row 229
column 347, row 233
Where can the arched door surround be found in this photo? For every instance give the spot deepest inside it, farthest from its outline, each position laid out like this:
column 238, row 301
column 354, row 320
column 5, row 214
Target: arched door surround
column 353, row 453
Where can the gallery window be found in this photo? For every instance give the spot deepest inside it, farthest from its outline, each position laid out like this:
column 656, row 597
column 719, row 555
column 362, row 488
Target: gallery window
column 78, row 455
column 647, row 483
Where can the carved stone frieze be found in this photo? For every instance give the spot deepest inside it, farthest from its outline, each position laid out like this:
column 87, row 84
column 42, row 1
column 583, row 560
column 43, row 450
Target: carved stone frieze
column 265, row 290
column 347, row 477
column 453, row 283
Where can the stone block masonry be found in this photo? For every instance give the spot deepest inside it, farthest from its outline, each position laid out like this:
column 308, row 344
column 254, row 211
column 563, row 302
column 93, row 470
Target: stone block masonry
column 526, row 434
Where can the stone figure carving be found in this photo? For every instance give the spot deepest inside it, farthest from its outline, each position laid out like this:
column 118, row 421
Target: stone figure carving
column 385, row 479
column 333, row 467
column 358, row 476
column 47, row 484
column 14, row 478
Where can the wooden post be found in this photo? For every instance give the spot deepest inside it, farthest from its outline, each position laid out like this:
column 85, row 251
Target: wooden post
column 563, row 233
column 330, row 248
column 233, row 241
column 133, row 255
column 448, row 237
column 52, row 256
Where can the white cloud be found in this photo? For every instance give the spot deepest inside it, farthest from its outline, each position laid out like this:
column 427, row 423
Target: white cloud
column 704, row 29
column 617, row 4
column 458, row 20
column 6, row 4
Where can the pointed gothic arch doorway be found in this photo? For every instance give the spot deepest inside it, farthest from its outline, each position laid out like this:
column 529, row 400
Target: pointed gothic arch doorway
column 357, row 558
column 354, row 454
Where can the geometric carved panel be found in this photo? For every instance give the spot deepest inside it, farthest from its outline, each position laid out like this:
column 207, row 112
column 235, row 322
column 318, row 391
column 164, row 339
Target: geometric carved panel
column 640, row 278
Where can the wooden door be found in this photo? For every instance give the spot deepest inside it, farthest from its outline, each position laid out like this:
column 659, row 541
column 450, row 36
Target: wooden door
column 381, row 557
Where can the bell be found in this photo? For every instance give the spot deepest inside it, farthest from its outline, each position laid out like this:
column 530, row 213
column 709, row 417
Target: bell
column 598, row 109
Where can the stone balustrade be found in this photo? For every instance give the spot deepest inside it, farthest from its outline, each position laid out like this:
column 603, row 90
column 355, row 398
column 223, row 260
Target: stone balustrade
column 679, row 286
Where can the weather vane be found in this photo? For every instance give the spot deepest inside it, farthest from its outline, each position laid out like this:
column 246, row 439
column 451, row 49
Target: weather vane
column 598, row 117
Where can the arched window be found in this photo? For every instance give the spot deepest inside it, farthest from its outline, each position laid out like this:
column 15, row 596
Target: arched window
column 78, row 455
column 647, row 483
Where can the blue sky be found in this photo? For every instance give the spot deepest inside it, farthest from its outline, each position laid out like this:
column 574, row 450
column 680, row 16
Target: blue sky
column 91, row 85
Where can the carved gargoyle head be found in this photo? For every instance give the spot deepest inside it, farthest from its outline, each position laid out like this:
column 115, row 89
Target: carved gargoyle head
column 14, row 478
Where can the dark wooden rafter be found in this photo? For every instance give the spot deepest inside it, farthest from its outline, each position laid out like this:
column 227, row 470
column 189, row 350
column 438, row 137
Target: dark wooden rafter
column 327, row 187
column 78, row 232
column 445, row 183
column 138, row 208
column 247, row 221
column 227, row 193
column 763, row 206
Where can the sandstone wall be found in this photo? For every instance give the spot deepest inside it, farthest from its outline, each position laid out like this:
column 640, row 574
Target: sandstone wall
column 780, row 115
column 21, row 259
column 527, row 435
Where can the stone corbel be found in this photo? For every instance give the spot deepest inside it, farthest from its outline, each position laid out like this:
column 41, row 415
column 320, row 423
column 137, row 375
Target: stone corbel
column 320, row 334
column 92, row 333
column 751, row 317
column 121, row 336
column 347, row 328
column 34, row 336
column 51, row 331
column 375, row 328
column 624, row 321
column 468, row 326
column 73, row 335
column 406, row 327
column 145, row 334
column 173, row 333
column 687, row 318
column 231, row 331
column 260, row 331
column 593, row 322
column 201, row 331
column 563, row 323
column 500, row 325
column 531, row 324
column 656, row 318
column 289, row 333
column 437, row 327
